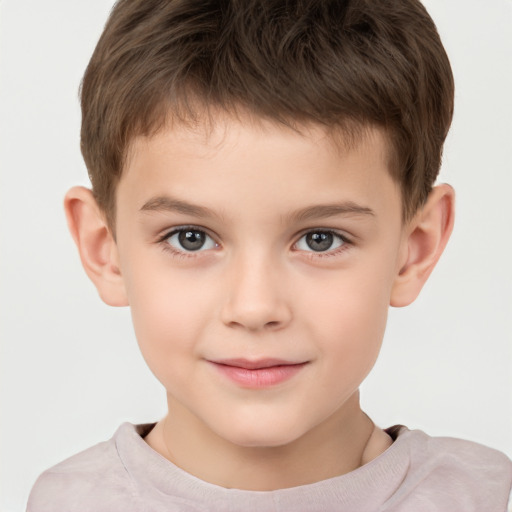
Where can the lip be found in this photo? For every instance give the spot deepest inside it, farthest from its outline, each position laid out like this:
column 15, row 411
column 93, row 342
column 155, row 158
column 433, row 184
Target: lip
column 257, row 374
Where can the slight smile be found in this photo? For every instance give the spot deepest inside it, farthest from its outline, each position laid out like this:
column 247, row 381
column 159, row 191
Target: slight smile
column 262, row 373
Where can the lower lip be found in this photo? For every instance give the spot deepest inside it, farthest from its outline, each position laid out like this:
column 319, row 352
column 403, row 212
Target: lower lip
column 259, row 377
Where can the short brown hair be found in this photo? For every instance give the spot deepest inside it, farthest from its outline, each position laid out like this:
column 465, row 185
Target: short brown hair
column 333, row 62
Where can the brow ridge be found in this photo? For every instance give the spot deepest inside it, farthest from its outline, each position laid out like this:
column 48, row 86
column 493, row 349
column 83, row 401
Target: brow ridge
column 322, row 211
column 169, row 204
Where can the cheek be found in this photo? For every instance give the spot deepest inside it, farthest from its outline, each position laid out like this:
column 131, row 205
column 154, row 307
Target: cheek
column 169, row 318
column 350, row 321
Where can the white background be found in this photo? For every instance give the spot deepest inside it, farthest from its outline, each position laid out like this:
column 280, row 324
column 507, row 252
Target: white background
column 70, row 367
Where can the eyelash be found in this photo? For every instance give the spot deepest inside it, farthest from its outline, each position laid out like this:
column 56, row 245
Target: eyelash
column 346, row 243
column 162, row 241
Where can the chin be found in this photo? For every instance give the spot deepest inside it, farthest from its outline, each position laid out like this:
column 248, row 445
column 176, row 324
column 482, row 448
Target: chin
column 246, row 440
column 258, row 435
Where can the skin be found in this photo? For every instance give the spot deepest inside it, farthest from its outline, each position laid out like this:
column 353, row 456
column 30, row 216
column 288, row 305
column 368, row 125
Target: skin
column 257, row 290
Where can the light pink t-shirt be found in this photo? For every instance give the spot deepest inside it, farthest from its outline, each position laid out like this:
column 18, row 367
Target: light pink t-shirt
column 417, row 473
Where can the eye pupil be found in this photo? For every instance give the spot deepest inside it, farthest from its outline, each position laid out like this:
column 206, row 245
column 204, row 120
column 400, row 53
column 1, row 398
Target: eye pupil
column 191, row 240
column 319, row 241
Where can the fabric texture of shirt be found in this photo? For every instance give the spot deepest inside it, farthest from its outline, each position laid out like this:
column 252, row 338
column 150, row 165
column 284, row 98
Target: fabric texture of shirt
column 417, row 473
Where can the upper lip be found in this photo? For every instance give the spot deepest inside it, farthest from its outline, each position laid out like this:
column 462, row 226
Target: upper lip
column 249, row 364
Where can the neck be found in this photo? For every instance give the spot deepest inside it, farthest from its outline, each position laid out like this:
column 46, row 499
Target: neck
column 342, row 443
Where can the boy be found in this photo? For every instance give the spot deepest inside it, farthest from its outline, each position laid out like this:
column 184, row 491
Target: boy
column 262, row 192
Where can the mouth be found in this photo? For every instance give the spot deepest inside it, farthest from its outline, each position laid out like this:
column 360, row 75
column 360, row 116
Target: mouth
column 261, row 373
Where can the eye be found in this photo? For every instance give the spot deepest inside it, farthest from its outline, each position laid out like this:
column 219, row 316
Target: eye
column 190, row 240
column 320, row 241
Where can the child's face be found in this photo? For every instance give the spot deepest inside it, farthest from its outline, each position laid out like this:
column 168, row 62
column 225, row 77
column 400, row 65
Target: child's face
column 255, row 244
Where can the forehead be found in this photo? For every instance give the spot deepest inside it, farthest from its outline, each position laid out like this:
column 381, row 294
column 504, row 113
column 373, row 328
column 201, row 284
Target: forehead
column 207, row 127
column 262, row 161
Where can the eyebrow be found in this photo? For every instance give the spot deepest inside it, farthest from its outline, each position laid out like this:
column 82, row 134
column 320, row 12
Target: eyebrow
column 323, row 211
column 169, row 204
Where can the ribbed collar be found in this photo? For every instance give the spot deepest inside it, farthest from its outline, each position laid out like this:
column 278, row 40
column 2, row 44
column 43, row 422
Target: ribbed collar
column 156, row 479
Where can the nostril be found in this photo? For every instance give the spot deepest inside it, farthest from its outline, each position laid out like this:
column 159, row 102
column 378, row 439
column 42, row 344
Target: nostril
column 255, row 308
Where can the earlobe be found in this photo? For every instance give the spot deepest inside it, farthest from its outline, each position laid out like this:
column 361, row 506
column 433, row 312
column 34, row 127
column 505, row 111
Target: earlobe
column 427, row 236
column 96, row 245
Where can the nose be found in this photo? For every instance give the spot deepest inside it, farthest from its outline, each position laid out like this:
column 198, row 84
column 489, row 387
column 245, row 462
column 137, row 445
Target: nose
column 256, row 297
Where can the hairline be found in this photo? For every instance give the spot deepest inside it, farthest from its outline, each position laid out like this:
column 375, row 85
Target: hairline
column 345, row 135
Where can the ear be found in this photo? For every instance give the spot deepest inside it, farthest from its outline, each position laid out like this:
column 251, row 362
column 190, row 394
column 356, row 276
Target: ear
column 426, row 237
column 96, row 245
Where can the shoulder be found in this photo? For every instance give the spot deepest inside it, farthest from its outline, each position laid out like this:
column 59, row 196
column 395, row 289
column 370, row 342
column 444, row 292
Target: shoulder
column 94, row 479
column 468, row 459
column 461, row 473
